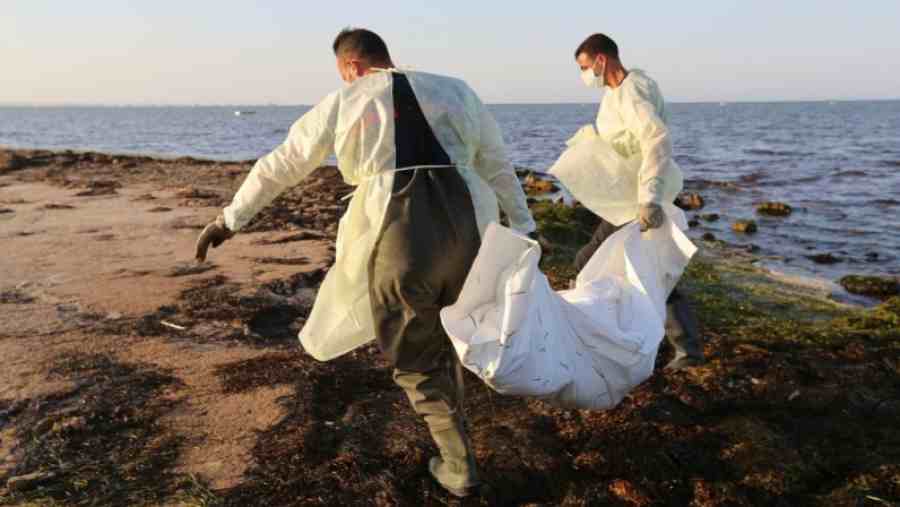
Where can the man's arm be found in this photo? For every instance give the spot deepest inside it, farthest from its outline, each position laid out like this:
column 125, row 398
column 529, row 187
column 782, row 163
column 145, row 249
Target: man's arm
column 642, row 120
column 494, row 167
column 308, row 144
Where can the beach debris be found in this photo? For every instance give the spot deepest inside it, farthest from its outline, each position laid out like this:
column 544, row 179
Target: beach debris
column 744, row 226
column 57, row 206
column 172, row 326
column 875, row 286
column 15, row 297
column 25, row 482
column 187, row 223
column 285, row 261
column 303, row 235
column 99, row 187
column 775, row 209
column 689, row 201
column 824, row 258
column 10, row 161
column 191, row 192
column 190, row 268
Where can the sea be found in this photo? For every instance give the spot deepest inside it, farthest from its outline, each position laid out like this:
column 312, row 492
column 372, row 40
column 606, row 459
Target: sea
column 836, row 163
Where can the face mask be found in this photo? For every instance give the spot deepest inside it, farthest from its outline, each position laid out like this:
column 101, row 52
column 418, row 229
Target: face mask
column 592, row 80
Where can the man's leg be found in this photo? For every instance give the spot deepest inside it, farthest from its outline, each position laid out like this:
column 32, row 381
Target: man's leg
column 436, row 395
column 683, row 333
column 604, row 230
column 427, row 245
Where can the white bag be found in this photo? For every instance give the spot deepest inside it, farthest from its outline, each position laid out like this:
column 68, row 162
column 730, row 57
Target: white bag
column 582, row 348
column 604, row 181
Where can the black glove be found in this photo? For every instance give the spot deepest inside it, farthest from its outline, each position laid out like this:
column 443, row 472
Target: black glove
column 213, row 234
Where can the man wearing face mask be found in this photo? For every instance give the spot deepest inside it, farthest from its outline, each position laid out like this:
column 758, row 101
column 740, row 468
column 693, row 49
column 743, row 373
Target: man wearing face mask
column 633, row 119
column 429, row 165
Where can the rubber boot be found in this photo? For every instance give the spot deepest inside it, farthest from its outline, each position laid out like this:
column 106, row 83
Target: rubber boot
column 455, row 469
column 683, row 334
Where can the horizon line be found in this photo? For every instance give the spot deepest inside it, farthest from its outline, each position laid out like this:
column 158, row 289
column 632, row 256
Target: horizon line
column 236, row 104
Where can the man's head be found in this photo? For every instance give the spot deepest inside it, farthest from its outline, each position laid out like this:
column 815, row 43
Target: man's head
column 357, row 50
column 599, row 53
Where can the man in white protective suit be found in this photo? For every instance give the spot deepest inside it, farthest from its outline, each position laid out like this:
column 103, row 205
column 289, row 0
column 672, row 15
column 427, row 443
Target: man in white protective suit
column 633, row 120
column 429, row 165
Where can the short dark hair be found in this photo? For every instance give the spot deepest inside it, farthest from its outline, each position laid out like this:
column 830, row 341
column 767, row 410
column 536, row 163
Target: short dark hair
column 598, row 44
column 361, row 43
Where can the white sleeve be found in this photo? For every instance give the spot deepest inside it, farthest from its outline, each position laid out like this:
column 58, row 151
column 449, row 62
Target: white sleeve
column 309, row 142
column 642, row 120
column 492, row 164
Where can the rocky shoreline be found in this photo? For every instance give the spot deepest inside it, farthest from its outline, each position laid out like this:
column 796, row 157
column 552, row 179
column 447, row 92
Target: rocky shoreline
column 133, row 376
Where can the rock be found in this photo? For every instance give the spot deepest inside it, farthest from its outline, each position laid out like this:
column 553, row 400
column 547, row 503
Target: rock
column 710, row 217
column 744, row 226
column 872, row 256
column 689, row 201
column 876, row 286
column 775, row 209
column 708, row 236
column 536, row 186
column 825, row 258
column 21, row 483
column 693, row 222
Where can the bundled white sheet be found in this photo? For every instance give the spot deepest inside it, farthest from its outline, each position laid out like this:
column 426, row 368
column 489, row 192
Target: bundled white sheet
column 585, row 347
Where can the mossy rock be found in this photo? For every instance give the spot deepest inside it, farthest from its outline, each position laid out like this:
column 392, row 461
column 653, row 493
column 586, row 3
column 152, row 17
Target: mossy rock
column 775, row 209
column 565, row 225
column 744, row 226
column 875, row 286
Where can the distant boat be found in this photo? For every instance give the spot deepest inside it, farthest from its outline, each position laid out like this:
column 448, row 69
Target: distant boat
column 243, row 113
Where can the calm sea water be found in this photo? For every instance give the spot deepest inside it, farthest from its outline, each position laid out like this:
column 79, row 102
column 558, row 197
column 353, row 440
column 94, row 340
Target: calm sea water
column 837, row 164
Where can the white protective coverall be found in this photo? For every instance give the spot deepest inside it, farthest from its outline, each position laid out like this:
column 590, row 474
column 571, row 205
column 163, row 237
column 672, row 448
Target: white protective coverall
column 356, row 124
column 629, row 149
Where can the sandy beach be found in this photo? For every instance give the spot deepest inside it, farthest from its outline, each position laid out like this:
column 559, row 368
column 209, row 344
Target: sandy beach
column 134, row 376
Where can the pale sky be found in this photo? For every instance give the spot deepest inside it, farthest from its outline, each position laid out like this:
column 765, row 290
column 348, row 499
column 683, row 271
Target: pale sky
column 242, row 52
